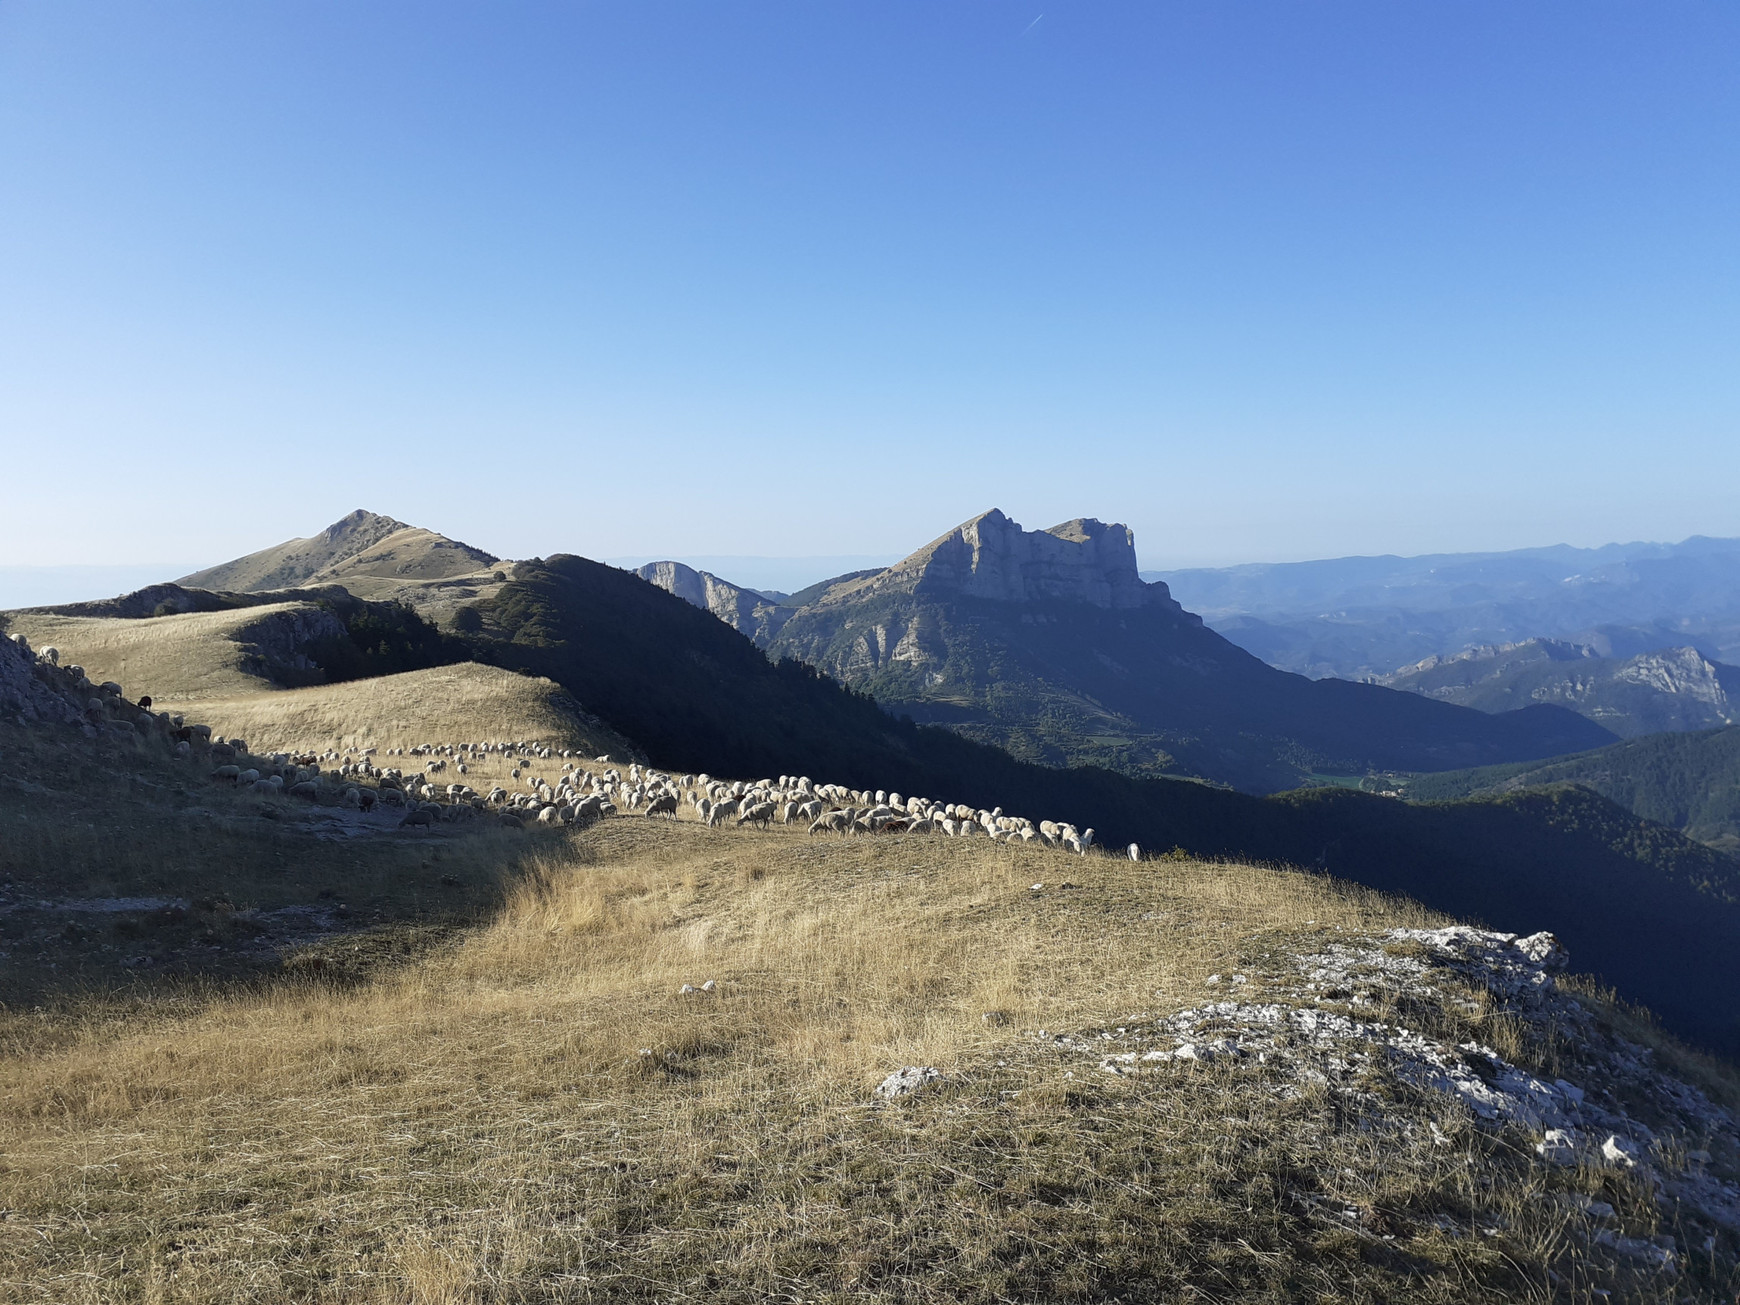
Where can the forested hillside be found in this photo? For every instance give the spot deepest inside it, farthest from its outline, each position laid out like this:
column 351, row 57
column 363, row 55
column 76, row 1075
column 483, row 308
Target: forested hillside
column 1689, row 782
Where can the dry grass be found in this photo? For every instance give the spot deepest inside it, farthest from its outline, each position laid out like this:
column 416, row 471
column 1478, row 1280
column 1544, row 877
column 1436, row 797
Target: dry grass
column 482, row 1124
column 467, row 702
column 176, row 659
column 194, row 662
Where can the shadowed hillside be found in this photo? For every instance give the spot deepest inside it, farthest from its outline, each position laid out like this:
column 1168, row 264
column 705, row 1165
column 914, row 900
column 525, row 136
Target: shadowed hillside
column 1689, row 782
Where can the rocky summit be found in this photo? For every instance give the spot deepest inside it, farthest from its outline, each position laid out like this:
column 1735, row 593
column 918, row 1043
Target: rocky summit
column 1084, row 561
column 1050, row 644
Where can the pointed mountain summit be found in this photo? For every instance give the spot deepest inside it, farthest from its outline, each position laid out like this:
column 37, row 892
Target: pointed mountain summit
column 365, row 551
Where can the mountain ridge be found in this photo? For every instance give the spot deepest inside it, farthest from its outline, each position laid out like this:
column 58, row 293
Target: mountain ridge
column 1673, row 689
column 1356, row 617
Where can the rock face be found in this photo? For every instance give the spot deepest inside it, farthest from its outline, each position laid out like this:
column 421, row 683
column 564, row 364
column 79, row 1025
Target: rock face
column 1669, row 689
column 1049, row 644
column 33, row 690
column 993, row 557
column 745, row 610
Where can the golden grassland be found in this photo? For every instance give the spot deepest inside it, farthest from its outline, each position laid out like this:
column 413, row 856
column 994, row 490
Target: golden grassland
column 175, row 659
column 467, row 702
column 197, row 663
column 531, row 1111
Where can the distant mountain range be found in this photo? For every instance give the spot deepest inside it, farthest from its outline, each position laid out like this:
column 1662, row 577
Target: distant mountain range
column 1674, row 689
column 1050, row 645
column 1358, row 617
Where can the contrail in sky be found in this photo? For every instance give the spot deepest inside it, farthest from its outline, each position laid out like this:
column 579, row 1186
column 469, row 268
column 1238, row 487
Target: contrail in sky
column 1030, row 26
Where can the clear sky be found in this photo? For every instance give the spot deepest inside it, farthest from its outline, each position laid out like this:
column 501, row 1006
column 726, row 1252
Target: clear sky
column 1264, row 280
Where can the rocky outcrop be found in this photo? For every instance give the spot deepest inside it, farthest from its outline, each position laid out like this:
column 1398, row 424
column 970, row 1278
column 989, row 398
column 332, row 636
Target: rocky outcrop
column 744, row 610
column 1369, row 1021
column 276, row 647
column 992, row 557
column 33, row 689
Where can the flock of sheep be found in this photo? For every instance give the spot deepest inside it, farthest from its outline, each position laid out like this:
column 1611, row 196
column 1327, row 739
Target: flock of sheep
column 580, row 794
column 577, row 795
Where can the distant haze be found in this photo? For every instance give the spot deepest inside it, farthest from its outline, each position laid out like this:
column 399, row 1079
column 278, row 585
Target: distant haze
column 47, row 586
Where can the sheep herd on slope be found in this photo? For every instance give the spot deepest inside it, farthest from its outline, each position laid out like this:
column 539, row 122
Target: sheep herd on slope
column 428, row 782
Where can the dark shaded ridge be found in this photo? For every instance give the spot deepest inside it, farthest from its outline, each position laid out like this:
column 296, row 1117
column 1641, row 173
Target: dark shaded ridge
column 1638, row 904
column 1689, row 782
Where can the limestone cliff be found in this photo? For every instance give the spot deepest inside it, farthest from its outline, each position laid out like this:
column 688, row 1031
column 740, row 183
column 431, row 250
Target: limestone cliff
column 744, row 610
column 1083, row 560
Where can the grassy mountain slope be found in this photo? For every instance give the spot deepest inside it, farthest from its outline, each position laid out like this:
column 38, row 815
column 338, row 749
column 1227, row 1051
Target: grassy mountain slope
column 183, row 657
column 1689, row 782
column 297, row 561
column 698, row 696
column 184, row 646
column 532, row 1111
column 372, row 556
column 1668, row 689
column 461, row 702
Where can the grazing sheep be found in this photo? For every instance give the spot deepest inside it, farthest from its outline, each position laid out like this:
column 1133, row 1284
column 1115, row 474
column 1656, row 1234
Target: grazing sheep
column 664, row 805
column 761, row 813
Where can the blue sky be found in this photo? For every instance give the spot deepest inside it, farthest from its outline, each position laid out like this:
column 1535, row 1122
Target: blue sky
column 1266, row 281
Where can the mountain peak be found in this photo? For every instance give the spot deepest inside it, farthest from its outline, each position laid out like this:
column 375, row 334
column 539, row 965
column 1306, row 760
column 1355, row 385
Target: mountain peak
column 360, row 523
column 363, row 545
column 991, row 556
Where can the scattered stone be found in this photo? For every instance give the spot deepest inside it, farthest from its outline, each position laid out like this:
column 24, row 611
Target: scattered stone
column 905, row 1082
column 1559, row 1146
column 1621, row 1151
